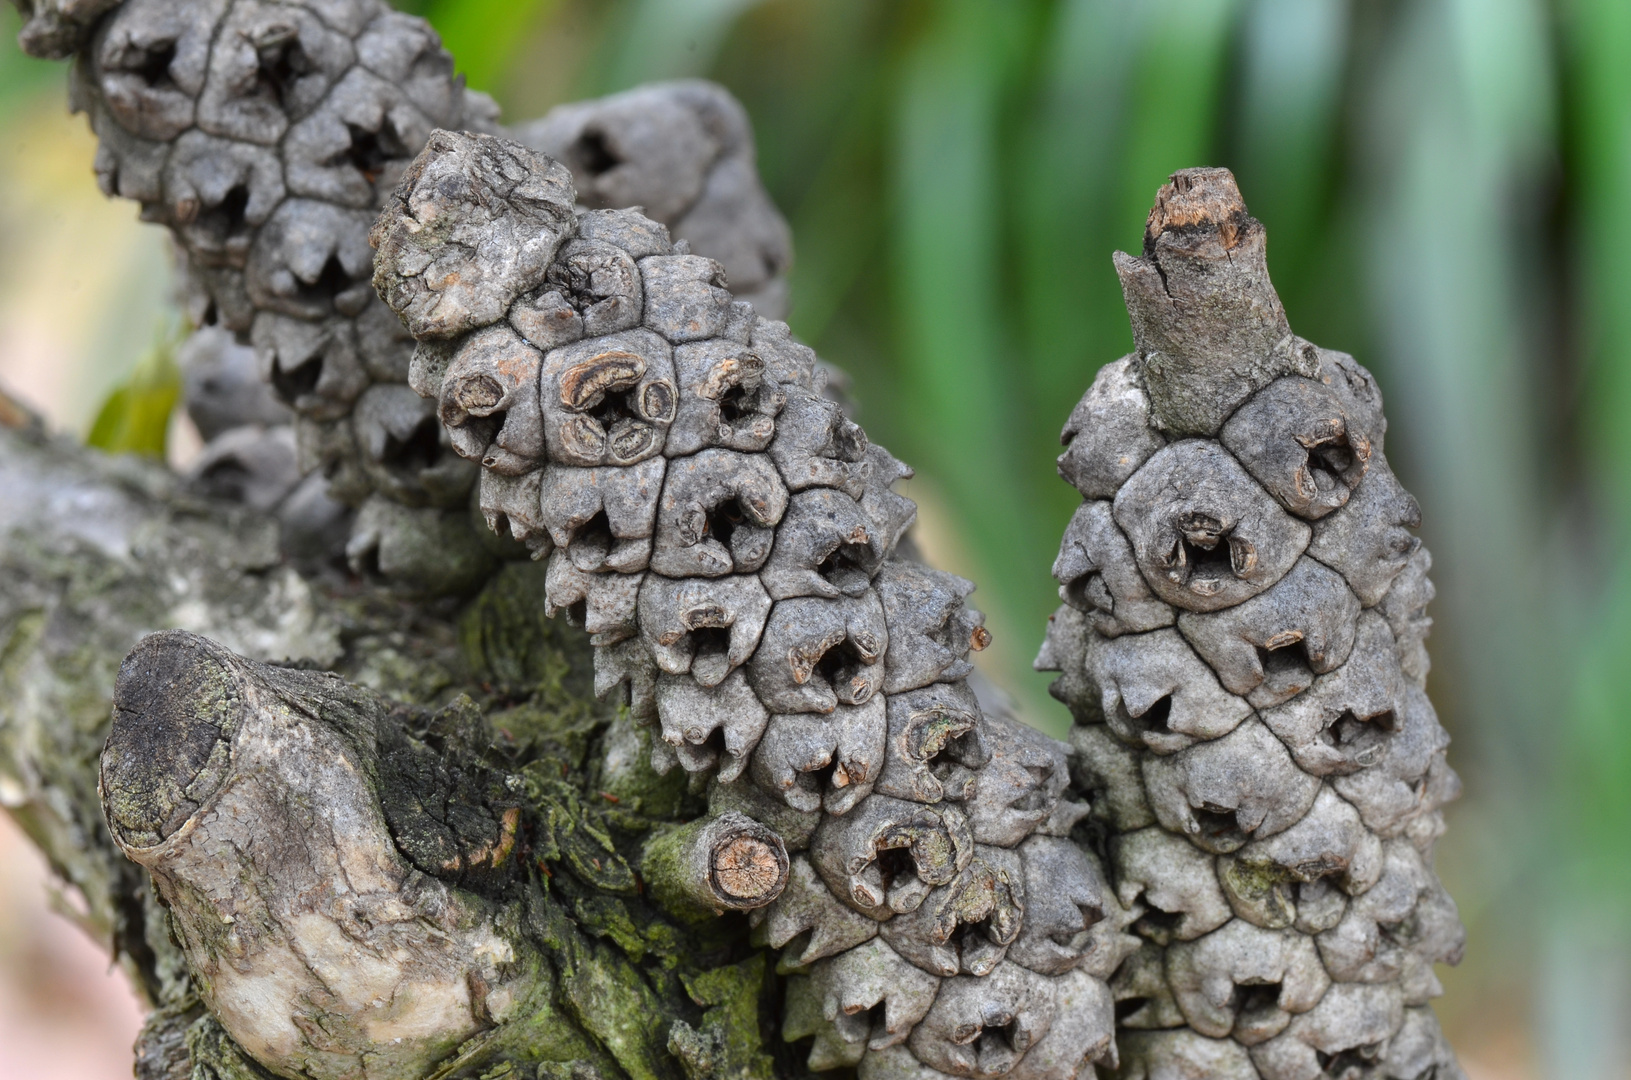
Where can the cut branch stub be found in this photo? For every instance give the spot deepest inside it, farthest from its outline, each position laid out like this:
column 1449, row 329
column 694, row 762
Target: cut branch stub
column 727, row 862
column 177, row 706
column 263, row 829
column 794, row 826
column 1208, row 324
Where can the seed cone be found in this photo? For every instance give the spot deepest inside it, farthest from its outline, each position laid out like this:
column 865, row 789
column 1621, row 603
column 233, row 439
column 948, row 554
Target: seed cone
column 728, row 537
column 1241, row 646
column 266, row 137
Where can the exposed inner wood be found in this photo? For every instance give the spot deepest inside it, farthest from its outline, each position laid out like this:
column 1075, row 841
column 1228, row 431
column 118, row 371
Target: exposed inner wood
column 746, row 867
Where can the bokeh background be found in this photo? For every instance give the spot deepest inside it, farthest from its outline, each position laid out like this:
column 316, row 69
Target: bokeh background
column 1447, row 190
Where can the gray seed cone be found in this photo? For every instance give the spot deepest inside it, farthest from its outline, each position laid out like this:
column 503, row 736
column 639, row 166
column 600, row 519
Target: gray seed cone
column 266, row 136
column 728, row 538
column 1241, row 644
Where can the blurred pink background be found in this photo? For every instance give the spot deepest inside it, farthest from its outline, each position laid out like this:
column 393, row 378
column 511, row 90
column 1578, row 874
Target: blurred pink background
column 64, row 1015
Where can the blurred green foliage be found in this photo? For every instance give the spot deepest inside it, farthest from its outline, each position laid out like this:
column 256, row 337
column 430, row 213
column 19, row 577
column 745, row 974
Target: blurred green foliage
column 135, row 417
column 21, row 76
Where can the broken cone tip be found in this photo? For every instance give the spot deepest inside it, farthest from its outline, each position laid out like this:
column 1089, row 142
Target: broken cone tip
column 1194, row 199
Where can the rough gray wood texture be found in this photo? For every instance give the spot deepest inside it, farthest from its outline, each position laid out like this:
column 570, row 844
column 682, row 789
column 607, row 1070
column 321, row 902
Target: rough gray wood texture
column 1268, row 775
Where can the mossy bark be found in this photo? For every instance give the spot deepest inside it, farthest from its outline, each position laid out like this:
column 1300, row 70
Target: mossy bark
column 489, row 740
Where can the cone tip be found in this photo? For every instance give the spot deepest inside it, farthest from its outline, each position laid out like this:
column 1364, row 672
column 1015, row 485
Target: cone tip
column 1198, row 199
